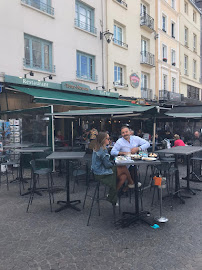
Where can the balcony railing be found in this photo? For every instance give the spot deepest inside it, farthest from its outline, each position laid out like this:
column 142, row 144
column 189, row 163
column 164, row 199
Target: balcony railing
column 122, row 3
column 33, row 65
column 146, row 93
column 39, row 5
column 86, row 76
column 163, row 95
column 85, row 26
column 120, row 43
column 147, row 58
column 146, row 20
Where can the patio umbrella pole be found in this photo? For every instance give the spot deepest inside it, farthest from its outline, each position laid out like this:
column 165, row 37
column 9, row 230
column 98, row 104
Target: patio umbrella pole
column 154, row 134
column 72, row 134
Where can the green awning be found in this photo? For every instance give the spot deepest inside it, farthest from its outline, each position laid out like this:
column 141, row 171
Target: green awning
column 112, row 111
column 64, row 98
column 185, row 115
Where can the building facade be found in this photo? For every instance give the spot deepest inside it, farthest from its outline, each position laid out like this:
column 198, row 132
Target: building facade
column 189, row 39
column 167, row 46
column 57, row 38
column 130, row 57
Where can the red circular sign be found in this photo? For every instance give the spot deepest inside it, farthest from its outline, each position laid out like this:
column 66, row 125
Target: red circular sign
column 134, row 80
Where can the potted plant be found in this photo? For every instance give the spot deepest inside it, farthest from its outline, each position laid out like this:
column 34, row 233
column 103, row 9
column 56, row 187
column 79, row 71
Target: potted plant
column 165, row 59
column 173, row 64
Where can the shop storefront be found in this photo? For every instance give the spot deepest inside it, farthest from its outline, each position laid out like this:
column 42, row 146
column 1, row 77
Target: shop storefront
column 25, row 101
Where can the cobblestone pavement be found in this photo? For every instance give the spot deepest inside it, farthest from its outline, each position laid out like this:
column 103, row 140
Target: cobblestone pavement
column 41, row 240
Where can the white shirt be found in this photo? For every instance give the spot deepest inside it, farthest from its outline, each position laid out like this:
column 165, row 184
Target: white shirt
column 123, row 145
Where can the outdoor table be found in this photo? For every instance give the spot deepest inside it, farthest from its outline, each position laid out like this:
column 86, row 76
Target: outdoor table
column 28, row 150
column 137, row 215
column 67, row 156
column 183, row 151
column 18, row 145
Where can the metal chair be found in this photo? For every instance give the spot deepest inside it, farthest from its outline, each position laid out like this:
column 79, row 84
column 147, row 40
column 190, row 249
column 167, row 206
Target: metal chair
column 79, row 170
column 96, row 196
column 36, row 173
column 12, row 164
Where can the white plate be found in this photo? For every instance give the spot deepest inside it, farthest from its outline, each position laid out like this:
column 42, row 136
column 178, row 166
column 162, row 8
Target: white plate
column 124, row 161
column 149, row 158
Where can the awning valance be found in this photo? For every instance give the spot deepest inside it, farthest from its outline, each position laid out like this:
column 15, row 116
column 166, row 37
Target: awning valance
column 111, row 111
column 64, row 98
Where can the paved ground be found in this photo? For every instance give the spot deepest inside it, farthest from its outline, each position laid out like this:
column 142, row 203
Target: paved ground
column 41, row 240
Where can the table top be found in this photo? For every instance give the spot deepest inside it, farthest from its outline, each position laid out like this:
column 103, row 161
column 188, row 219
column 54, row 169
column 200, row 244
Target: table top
column 18, row 145
column 32, row 150
column 181, row 150
column 66, row 155
column 138, row 162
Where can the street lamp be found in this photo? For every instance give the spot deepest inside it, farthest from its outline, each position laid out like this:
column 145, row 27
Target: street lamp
column 108, row 35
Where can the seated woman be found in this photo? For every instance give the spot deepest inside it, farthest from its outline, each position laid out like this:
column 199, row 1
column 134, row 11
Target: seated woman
column 104, row 170
column 178, row 141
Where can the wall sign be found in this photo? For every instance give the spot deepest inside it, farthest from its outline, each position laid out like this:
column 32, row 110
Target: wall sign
column 134, row 80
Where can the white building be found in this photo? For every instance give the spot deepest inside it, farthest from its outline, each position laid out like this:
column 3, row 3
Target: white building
column 51, row 37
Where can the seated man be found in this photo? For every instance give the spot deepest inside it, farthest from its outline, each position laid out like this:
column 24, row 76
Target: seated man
column 128, row 143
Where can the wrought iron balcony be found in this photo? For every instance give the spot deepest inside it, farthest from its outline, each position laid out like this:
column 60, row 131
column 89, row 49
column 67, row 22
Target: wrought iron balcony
column 39, row 5
column 27, row 63
column 163, row 95
column 85, row 26
column 122, row 3
column 147, row 22
column 147, row 58
column 146, row 93
column 120, row 43
column 86, row 76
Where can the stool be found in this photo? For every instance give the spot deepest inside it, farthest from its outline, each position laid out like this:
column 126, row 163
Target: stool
column 166, row 170
column 96, row 196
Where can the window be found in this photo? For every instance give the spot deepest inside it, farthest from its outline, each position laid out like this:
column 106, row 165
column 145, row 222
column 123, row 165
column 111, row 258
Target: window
column 194, row 69
column 145, row 92
column 186, row 65
column 43, row 5
column 144, row 81
column 173, row 84
column 186, row 36
column 194, row 16
column 173, row 30
column 173, row 4
column 173, row 57
column 164, row 52
column 118, row 35
column 85, row 66
column 185, row 7
column 118, row 75
column 84, row 17
column 194, row 42
column 164, row 23
column 38, row 53
column 143, row 9
column 165, row 77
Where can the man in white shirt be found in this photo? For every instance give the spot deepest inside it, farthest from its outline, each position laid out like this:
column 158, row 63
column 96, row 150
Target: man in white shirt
column 128, row 143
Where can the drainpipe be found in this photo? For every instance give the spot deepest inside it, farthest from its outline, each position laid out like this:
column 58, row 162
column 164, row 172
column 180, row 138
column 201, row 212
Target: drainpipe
column 102, row 27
